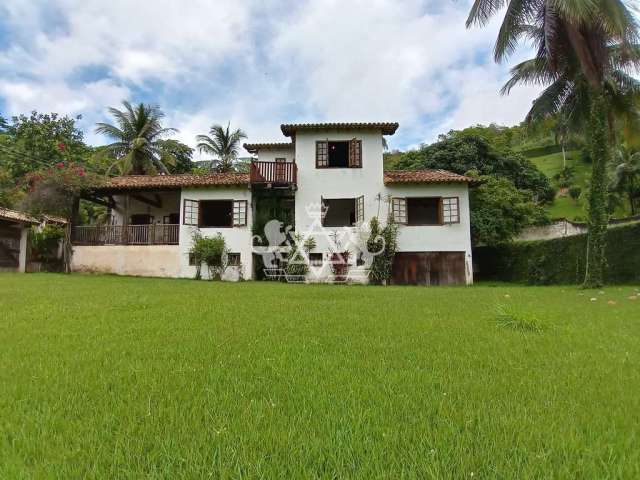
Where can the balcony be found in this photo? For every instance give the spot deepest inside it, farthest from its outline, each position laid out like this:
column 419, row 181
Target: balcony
column 153, row 234
column 274, row 174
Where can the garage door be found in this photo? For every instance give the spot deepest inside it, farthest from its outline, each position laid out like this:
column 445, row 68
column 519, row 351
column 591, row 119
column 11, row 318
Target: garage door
column 429, row 268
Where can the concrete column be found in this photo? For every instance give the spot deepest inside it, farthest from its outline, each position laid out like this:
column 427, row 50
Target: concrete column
column 22, row 259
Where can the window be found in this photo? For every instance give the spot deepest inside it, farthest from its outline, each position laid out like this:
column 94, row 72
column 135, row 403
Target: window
column 426, row 210
column 141, row 219
column 215, row 213
column 239, row 213
column 192, row 260
column 423, row 211
column 171, row 219
column 342, row 212
column 315, row 259
column 190, row 212
column 233, row 259
column 399, row 209
column 339, row 154
column 450, row 210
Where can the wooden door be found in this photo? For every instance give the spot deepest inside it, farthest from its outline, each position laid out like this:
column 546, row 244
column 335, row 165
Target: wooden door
column 281, row 166
column 429, row 268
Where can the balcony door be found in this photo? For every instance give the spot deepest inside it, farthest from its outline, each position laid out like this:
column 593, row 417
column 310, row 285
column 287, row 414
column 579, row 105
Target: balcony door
column 281, row 172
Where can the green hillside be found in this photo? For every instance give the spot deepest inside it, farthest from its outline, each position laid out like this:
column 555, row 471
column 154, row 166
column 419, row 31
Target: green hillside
column 564, row 206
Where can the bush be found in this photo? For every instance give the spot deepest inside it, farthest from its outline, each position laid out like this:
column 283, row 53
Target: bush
column 212, row 251
column 561, row 260
column 379, row 239
column 515, row 318
column 574, row 192
column 45, row 242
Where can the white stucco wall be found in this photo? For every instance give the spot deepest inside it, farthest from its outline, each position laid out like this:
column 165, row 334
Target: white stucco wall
column 139, row 260
column 22, row 258
column 271, row 155
column 238, row 239
column 332, row 183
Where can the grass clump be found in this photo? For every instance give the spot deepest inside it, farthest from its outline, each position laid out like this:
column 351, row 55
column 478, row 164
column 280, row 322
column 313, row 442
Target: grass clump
column 516, row 318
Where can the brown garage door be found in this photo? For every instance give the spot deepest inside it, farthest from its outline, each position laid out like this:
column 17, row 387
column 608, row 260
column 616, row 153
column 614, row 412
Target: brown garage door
column 429, row 268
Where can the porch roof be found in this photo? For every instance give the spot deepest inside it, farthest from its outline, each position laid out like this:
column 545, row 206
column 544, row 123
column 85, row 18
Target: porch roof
column 425, row 176
column 387, row 128
column 254, row 147
column 170, row 182
column 16, row 216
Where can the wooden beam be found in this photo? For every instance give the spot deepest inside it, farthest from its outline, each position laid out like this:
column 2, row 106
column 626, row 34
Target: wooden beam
column 109, row 203
column 156, row 202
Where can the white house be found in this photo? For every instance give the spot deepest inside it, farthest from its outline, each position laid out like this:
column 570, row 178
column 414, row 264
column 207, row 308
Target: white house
column 327, row 182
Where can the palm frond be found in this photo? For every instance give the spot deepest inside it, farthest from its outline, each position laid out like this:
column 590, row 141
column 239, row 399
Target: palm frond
column 483, row 10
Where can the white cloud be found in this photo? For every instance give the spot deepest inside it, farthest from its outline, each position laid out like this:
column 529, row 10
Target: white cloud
column 258, row 63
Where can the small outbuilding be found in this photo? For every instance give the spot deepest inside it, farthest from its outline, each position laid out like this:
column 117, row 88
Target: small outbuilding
column 14, row 232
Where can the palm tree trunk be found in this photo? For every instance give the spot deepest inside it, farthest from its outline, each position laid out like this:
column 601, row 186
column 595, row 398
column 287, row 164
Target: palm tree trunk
column 564, row 158
column 598, row 217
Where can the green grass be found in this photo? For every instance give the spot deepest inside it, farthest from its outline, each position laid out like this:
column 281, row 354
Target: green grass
column 111, row 377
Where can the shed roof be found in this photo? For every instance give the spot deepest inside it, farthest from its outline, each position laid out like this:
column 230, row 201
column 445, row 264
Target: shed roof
column 16, row 216
column 425, row 176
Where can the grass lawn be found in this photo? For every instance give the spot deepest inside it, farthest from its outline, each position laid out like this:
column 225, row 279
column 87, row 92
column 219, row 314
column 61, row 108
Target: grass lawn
column 115, row 377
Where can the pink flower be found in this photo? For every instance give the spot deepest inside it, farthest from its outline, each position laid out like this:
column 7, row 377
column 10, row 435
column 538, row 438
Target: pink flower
column 61, row 146
column 60, row 165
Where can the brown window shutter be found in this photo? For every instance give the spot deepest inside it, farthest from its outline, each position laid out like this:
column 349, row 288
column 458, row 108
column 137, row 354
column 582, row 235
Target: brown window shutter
column 190, row 212
column 322, row 154
column 240, row 213
column 360, row 209
column 450, row 210
column 355, row 153
column 399, row 210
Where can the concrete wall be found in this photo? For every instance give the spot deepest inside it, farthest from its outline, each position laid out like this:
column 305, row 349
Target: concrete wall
column 238, row 239
column 141, row 260
column 271, row 155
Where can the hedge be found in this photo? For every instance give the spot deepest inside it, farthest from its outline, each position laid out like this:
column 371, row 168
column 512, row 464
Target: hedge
column 561, row 260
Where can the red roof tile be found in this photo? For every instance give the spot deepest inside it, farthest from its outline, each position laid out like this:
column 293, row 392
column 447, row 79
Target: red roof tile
column 425, row 176
column 159, row 182
column 388, row 128
column 15, row 216
column 254, row 147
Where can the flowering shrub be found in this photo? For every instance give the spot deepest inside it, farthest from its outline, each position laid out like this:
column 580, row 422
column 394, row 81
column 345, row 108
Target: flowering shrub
column 53, row 190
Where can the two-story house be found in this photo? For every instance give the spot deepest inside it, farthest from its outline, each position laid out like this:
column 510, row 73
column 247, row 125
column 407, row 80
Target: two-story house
column 326, row 182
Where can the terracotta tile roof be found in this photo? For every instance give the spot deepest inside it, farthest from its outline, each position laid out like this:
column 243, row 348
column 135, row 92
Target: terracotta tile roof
column 15, row 216
column 388, row 128
column 254, row 147
column 425, row 176
column 159, row 182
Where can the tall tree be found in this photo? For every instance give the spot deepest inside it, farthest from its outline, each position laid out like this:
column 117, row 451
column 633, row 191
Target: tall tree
column 223, row 144
column 579, row 44
column 138, row 136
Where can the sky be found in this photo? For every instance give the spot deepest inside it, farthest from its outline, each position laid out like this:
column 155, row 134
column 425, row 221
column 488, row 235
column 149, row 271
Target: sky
column 257, row 64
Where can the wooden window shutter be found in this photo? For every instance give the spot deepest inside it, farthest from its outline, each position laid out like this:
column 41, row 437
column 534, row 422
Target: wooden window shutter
column 450, row 210
column 399, row 210
column 355, row 153
column 323, row 210
column 360, row 209
column 322, row 154
column 240, row 213
column 190, row 212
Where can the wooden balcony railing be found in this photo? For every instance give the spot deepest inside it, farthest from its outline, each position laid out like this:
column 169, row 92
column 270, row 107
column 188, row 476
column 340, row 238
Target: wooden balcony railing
column 161, row 234
column 281, row 173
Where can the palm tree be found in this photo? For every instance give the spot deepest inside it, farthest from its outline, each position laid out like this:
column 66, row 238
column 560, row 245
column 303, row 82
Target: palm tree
column 223, row 145
column 561, row 133
column 138, row 134
column 582, row 46
column 626, row 177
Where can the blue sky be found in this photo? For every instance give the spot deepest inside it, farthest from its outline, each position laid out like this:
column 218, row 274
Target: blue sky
column 257, row 64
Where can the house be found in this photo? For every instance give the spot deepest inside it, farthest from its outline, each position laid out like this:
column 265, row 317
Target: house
column 326, row 182
column 14, row 232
